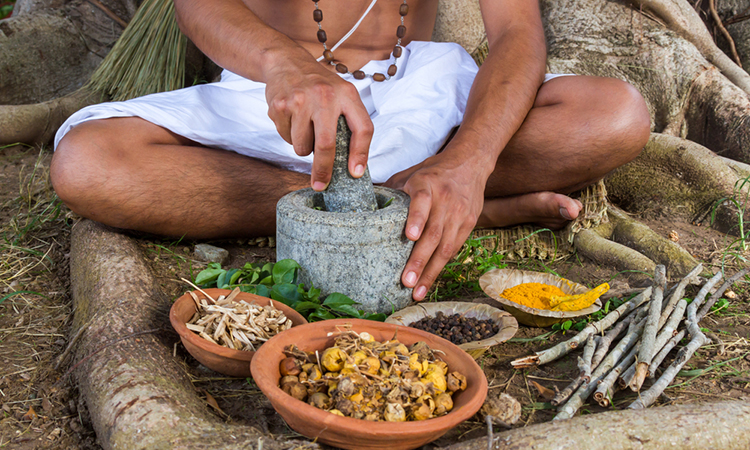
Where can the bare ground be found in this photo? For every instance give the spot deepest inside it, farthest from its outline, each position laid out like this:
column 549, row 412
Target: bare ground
column 40, row 407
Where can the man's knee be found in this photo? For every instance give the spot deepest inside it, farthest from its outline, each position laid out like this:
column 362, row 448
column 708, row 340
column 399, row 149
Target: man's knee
column 632, row 124
column 75, row 169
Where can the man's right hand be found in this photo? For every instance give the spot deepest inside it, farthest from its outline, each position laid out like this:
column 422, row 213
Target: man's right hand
column 305, row 100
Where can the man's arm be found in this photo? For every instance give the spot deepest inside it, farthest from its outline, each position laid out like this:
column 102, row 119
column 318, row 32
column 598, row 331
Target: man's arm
column 305, row 99
column 447, row 190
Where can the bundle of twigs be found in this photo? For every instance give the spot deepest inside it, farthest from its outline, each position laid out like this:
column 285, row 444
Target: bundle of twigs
column 646, row 329
column 148, row 57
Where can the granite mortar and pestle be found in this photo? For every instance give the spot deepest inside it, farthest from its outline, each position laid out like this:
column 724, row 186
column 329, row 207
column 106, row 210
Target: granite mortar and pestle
column 349, row 238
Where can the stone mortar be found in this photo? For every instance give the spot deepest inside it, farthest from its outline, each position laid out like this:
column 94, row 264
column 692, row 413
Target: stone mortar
column 358, row 254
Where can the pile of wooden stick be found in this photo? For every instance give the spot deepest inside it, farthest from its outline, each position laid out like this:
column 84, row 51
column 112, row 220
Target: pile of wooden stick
column 646, row 328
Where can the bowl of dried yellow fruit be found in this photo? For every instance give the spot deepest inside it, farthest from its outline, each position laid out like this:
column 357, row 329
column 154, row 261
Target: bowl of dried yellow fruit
column 360, row 384
column 540, row 299
column 222, row 329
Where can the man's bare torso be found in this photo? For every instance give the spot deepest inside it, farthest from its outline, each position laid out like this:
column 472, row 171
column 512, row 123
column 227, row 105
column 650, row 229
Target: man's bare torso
column 373, row 40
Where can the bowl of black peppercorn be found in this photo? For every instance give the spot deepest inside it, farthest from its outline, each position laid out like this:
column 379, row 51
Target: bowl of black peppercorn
column 474, row 327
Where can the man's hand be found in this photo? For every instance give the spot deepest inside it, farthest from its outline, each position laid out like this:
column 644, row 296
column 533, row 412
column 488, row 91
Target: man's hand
column 446, row 199
column 305, row 100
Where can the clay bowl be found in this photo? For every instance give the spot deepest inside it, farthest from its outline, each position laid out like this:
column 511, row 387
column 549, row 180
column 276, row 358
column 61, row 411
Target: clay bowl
column 507, row 323
column 234, row 363
column 349, row 433
column 494, row 282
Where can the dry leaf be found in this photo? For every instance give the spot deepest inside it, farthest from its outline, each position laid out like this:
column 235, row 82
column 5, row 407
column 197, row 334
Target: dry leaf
column 30, row 415
column 730, row 295
column 673, row 236
column 546, row 393
column 213, row 404
column 46, row 405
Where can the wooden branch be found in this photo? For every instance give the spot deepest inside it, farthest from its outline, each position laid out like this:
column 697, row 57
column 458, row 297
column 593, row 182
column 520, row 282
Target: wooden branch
column 727, row 36
column 667, row 333
column 672, row 343
column 584, row 363
column 719, row 292
column 697, row 340
column 646, row 352
column 677, row 293
column 564, row 348
column 606, row 341
column 626, row 343
column 605, row 390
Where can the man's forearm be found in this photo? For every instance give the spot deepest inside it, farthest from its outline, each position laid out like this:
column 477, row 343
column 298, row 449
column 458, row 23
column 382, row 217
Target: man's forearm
column 229, row 33
column 503, row 92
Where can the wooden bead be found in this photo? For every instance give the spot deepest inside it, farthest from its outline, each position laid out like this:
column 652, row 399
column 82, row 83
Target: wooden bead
column 340, row 68
column 318, row 15
column 328, row 55
column 404, row 9
column 359, row 75
column 397, row 51
column 378, row 77
column 322, row 37
column 392, row 70
column 401, row 31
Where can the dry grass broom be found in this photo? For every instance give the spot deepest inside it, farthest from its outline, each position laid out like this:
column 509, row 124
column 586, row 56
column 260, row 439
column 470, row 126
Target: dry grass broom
column 148, row 57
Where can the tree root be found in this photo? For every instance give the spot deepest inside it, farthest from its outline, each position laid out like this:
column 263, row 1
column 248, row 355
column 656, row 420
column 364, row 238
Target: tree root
column 38, row 123
column 591, row 244
column 137, row 394
column 677, row 177
column 680, row 17
column 724, row 425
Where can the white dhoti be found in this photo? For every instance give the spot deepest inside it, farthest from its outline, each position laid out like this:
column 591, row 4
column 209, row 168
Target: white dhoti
column 413, row 113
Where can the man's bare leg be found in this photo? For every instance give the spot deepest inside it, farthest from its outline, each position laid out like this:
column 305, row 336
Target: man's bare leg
column 129, row 173
column 580, row 129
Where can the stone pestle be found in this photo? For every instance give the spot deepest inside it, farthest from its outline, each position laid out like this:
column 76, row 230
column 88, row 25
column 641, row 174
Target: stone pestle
column 346, row 193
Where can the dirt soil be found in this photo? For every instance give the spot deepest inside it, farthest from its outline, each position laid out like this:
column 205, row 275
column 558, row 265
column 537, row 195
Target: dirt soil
column 40, row 407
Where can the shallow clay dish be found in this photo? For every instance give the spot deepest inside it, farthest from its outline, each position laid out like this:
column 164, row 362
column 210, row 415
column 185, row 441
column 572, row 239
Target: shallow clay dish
column 507, row 323
column 346, row 432
column 235, row 363
column 497, row 280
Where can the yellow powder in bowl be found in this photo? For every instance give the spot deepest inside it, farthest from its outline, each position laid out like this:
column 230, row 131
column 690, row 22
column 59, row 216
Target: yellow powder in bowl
column 533, row 295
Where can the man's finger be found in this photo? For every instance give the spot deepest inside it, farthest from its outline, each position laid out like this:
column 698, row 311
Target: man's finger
column 360, row 124
column 325, row 152
column 426, row 242
column 303, row 135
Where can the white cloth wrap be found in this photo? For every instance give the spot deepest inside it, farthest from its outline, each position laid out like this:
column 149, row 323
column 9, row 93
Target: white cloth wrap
column 412, row 113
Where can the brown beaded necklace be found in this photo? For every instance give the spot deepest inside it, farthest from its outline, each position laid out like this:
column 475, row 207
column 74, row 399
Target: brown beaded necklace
column 358, row 74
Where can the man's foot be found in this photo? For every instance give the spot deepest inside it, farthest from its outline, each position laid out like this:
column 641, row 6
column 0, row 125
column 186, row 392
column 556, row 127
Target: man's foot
column 546, row 209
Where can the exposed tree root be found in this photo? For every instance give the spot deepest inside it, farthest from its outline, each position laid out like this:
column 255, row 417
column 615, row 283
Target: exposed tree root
column 677, row 177
column 724, row 425
column 680, row 17
column 38, row 123
column 137, row 394
column 643, row 239
column 591, row 244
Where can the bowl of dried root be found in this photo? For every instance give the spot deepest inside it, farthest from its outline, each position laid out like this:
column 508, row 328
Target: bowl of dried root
column 361, row 384
column 222, row 329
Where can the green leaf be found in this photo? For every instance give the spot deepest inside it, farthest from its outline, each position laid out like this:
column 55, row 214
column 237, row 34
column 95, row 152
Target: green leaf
column 268, row 281
column 380, row 317
column 286, row 293
column 285, row 271
column 313, row 295
column 335, row 299
column 262, row 290
column 234, row 275
column 207, row 277
column 320, row 314
column 221, row 281
column 303, row 307
column 347, row 311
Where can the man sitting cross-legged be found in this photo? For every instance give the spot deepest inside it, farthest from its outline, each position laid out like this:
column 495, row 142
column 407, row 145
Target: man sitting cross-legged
column 211, row 161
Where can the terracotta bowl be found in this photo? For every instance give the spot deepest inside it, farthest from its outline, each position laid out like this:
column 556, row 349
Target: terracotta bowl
column 349, row 433
column 507, row 323
column 494, row 282
column 235, row 363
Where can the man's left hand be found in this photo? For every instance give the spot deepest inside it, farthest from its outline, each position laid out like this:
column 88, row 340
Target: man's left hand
column 446, row 199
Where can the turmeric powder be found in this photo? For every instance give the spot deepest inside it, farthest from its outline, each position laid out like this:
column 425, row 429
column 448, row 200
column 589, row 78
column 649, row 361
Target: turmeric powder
column 533, row 295
column 545, row 296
